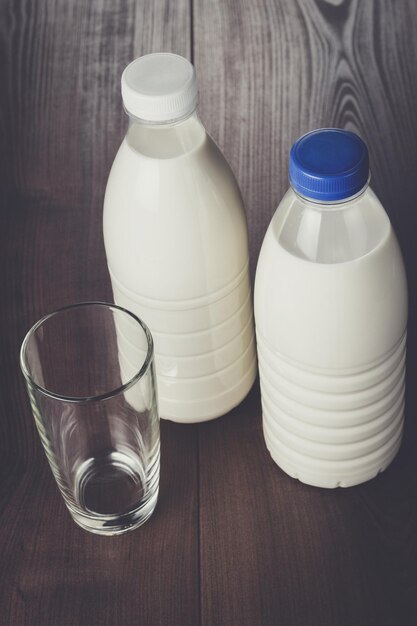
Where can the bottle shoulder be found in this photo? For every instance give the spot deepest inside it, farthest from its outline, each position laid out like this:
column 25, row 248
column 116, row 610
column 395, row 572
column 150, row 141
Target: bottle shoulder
column 196, row 181
column 329, row 234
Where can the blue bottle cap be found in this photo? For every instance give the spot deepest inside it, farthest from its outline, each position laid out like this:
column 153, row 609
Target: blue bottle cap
column 329, row 164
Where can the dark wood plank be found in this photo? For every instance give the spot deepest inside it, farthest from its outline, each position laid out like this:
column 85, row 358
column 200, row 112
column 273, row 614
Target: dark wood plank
column 274, row 551
column 61, row 121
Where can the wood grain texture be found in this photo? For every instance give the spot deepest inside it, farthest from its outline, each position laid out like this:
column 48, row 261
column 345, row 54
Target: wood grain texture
column 274, row 551
column 233, row 541
column 61, row 120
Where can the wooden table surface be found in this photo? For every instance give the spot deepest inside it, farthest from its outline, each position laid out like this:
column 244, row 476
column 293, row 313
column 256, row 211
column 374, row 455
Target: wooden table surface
column 234, row 541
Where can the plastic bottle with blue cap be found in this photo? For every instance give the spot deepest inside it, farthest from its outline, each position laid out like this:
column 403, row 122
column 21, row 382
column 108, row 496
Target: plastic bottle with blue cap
column 331, row 318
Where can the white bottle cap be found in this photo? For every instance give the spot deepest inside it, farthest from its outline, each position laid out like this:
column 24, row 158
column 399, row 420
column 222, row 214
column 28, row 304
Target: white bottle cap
column 160, row 87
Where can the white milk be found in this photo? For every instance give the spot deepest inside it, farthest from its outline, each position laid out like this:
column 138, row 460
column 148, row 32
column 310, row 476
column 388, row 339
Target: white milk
column 176, row 244
column 331, row 314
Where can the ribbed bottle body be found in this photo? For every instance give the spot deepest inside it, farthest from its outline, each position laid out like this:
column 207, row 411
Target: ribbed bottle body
column 331, row 315
column 176, row 244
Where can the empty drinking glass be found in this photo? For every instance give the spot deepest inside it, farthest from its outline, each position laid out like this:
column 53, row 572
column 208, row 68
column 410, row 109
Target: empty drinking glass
column 90, row 377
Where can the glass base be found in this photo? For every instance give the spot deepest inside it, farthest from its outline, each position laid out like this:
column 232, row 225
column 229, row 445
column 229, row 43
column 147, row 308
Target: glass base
column 114, row 494
column 117, row 524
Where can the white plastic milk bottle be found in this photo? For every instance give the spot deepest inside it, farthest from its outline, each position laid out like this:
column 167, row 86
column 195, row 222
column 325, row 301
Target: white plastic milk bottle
column 176, row 242
column 331, row 316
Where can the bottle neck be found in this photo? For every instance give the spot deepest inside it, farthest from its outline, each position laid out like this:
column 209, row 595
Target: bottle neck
column 321, row 205
column 164, row 140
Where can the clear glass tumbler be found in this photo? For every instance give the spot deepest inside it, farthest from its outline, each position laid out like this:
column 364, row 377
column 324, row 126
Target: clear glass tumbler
column 90, row 377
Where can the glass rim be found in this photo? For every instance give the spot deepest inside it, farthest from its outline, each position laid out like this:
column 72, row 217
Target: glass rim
column 84, row 399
